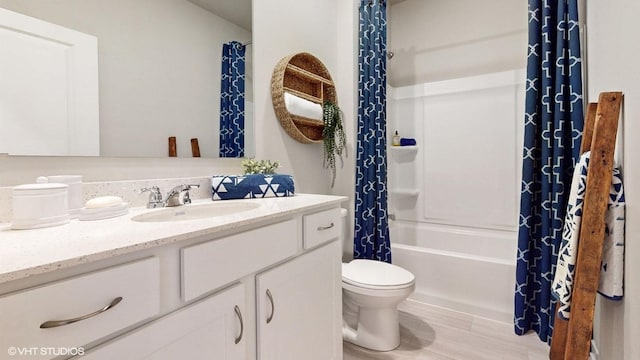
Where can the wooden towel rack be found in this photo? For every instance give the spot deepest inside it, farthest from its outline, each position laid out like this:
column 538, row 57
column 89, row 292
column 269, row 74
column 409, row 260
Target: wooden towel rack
column 572, row 339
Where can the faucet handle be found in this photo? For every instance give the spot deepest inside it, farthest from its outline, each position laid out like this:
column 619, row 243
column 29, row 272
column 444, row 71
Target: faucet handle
column 155, row 196
column 153, row 190
column 187, row 198
column 185, row 187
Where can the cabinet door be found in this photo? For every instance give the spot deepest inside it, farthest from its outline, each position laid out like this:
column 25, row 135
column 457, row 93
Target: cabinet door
column 209, row 329
column 299, row 310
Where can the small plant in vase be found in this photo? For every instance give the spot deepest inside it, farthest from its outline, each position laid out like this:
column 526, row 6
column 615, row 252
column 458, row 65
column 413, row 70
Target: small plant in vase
column 333, row 137
column 252, row 166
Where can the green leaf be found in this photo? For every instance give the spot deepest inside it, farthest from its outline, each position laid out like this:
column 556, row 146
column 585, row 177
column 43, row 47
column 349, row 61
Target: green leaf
column 334, row 138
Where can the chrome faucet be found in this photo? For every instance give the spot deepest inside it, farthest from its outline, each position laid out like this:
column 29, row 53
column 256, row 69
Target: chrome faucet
column 179, row 195
column 174, row 197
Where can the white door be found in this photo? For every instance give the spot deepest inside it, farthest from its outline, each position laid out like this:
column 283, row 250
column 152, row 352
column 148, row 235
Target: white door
column 48, row 88
column 213, row 328
column 299, row 310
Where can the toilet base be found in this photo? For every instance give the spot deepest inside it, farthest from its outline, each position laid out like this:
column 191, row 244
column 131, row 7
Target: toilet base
column 378, row 329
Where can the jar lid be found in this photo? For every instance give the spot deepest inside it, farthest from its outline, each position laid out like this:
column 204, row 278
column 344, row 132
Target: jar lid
column 64, row 179
column 40, row 186
column 35, row 189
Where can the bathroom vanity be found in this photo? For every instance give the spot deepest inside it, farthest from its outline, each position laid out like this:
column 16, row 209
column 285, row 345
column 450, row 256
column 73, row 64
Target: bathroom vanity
column 260, row 283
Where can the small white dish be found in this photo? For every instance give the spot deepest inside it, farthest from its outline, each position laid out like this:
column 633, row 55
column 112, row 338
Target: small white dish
column 103, row 207
column 89, row 214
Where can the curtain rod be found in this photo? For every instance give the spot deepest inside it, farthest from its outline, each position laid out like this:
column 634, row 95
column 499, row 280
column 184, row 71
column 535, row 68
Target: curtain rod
column 241, row 45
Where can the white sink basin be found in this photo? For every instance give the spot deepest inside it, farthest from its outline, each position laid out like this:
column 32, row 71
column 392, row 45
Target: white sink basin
column 195, row 212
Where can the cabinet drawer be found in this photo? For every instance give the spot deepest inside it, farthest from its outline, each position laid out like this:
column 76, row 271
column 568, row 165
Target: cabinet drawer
column 22, row 314
column 321, row 227
column 208, row 266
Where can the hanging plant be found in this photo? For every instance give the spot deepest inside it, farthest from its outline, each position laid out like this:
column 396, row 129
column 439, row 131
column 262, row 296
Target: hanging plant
column 333, row 137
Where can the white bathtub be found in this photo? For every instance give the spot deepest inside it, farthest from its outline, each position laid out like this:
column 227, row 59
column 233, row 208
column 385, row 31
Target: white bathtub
column 467, row 270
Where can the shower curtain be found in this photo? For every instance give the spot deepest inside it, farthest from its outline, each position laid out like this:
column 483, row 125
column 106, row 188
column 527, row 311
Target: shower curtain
column 553, row 131
column 371, row 238
column 232, row 100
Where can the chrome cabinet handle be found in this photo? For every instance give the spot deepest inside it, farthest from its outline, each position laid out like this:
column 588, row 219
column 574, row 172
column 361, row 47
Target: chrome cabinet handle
column 273, row 308
column 239, row 315
column 56, row 323
column 320, row 228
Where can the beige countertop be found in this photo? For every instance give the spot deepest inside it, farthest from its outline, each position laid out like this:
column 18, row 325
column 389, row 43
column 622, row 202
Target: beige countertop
column 25, row 253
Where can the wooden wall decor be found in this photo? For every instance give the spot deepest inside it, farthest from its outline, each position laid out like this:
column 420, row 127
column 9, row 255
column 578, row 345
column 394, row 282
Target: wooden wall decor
column 173, row 148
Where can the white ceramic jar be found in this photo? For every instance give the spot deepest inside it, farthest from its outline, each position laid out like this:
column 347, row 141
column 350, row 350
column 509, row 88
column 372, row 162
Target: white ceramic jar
column 40, row 205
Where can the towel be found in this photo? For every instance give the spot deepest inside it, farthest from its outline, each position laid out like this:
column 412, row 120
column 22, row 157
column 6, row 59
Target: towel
column 611, row 275
column 251, row 186
column 302, row 107
column 407, row 141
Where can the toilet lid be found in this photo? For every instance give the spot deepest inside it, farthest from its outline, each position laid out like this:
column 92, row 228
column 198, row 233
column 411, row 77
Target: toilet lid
column 375, row 273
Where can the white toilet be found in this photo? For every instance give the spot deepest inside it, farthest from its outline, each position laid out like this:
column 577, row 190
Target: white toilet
column 371, row 292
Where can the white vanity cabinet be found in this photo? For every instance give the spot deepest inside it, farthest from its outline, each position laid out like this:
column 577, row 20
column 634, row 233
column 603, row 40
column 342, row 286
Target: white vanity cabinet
column 299, row 308
column 268, row 289
column 210, row 265
column 212, row 328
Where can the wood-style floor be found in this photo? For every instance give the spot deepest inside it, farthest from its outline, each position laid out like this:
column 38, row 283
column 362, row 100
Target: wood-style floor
column 429, row 332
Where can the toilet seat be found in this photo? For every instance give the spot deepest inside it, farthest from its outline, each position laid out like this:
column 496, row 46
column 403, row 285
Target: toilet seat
column 372, row 274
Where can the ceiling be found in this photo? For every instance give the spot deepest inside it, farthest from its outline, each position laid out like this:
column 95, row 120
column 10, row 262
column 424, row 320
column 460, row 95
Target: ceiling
column 236, row 11
column 239, row 11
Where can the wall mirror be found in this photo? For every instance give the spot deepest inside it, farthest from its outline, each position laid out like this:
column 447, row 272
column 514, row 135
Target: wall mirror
column 159, row 71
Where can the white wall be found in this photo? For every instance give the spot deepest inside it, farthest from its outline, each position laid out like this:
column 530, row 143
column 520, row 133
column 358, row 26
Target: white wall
column 280, row 28
column 612, row 65
column 159, row 69
column 346, row 77
column 16, row 170
column 442, row 39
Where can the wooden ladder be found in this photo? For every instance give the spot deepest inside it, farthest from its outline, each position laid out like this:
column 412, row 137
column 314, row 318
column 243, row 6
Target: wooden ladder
column 572, row 339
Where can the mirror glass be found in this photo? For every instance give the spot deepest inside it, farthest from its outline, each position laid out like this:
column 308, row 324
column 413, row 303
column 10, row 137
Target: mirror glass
column 159, row 70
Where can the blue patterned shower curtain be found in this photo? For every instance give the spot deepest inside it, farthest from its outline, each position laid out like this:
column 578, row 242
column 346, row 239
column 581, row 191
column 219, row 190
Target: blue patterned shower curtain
column 553, row 131
column 232, row 100
column 371, row 239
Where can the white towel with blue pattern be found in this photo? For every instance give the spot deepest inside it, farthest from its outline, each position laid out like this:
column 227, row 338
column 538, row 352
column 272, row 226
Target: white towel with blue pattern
column 251, row 186
column 612, row 269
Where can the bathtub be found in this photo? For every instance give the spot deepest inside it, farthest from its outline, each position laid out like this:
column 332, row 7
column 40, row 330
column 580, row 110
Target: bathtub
column 464, row 269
